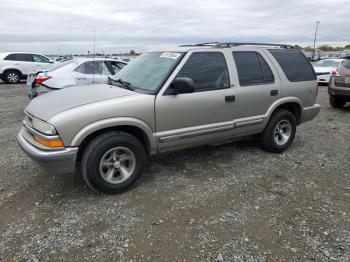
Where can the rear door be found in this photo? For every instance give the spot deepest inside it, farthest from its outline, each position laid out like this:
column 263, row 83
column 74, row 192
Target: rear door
column 257, row 88
column 91, row 72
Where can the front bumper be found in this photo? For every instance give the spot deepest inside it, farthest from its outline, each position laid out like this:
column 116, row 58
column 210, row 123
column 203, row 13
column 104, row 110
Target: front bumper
column 52, row 161
column 323, row 78
column 309, row 113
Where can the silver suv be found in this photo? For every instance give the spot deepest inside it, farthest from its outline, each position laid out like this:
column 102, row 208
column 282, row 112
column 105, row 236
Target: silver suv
column 162, row 101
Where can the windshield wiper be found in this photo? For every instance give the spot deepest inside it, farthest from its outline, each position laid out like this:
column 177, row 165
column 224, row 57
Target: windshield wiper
column 123, row 83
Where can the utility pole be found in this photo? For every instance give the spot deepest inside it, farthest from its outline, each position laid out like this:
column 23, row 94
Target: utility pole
column 314, row 51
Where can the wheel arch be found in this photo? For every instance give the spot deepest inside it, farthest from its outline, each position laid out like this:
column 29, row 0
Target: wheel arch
column 140, row 131
column 292, row 104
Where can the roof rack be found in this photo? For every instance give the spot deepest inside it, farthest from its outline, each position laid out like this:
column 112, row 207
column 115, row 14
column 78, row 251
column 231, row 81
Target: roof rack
column 230, row 44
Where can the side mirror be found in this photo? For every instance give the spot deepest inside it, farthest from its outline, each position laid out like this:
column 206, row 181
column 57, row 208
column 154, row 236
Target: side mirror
column 182, row 85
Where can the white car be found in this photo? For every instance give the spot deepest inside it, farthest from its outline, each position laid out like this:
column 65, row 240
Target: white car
column 18, row 65
column 325, row 68
column 74, row 72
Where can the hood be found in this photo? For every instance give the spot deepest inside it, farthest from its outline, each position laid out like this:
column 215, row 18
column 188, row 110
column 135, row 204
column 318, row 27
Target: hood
column 47, row 105
column 323, row 69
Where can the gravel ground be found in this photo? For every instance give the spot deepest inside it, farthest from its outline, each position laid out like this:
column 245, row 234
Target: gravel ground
column 233, row 202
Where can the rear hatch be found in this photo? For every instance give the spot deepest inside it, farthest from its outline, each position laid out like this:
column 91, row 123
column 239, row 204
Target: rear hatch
column 342, row 79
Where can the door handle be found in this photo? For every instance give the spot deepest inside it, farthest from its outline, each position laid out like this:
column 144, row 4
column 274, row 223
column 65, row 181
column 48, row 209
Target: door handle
column 81, row 78
column 230, row 99
column 274, row 92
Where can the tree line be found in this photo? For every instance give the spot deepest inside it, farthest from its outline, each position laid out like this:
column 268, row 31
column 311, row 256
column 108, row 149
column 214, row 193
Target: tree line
column 324, row 48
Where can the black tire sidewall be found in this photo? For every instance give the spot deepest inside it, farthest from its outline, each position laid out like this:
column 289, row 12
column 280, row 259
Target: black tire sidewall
column 336, row 102
column 269, row 142
column 91, row 164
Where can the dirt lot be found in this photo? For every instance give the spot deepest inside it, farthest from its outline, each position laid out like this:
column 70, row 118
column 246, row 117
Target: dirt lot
column 234, row 200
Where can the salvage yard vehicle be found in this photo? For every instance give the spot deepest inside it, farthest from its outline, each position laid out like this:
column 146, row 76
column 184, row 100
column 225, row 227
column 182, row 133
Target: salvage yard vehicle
column 339, row 86
column 325, row 68
column 18, row 65
column 193, row 95
column 75, row 72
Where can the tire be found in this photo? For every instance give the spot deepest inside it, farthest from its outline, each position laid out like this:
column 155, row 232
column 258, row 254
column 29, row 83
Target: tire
column 12, row 77
column 336, row 102
column 280, row 132
column 113, row 152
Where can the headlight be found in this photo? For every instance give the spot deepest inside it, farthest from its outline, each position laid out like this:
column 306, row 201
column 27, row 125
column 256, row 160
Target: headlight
column 40, row 125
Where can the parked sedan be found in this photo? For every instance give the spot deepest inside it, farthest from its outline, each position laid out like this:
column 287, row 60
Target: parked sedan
column 75, row 72
column 324, row 69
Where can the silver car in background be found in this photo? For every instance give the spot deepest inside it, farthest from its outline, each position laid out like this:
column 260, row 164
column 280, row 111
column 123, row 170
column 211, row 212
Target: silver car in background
column 74, row 72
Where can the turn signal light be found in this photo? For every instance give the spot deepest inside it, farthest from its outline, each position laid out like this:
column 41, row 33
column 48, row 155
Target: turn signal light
column 49, row 143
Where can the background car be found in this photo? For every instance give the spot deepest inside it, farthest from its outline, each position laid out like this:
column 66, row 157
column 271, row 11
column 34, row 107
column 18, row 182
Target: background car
column 324, row 69
column 339, row 86
column 75, row 72
column 18, row 65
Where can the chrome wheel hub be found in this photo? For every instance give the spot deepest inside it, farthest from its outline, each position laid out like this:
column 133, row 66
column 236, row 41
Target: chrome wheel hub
column 283, row 131
column 12, row 77
column 117, row 165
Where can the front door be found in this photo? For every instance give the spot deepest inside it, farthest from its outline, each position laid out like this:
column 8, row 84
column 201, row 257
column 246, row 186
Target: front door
column 204, row 116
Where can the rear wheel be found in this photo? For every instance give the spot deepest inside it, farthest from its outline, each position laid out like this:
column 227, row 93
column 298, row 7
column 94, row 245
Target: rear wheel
column 12, row 77
column 113, row 162
column 336, row 102
column 280, row 132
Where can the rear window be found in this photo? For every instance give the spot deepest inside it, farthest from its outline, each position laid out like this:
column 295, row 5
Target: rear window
column 294, row 64
column 346, row 64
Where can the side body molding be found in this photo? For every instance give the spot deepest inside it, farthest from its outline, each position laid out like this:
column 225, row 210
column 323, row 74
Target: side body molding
column 115, row 122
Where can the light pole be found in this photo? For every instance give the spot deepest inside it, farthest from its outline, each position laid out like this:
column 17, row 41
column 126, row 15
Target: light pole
column 314, row 51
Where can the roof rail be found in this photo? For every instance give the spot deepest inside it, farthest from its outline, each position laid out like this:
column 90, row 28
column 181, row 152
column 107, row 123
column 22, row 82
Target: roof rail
column 229, row 44
column 203, row 44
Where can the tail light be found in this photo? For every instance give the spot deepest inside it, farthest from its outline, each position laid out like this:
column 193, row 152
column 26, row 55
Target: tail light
column 335, row 72
column 41, row 79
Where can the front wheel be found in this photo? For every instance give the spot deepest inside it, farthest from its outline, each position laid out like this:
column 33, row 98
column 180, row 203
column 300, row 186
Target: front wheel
column 280, row 132
column 113, row 162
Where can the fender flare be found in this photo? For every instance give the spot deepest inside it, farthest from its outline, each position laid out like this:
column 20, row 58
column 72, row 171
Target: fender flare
column 115, row 122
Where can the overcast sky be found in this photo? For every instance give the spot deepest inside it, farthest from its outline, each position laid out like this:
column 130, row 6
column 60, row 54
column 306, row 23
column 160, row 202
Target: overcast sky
column 61, row 26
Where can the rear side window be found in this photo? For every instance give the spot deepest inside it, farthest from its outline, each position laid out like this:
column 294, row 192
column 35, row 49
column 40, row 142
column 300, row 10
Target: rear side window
column 208, row 70
column 294, row 64
column 93, row 67
column 19, row 57
column 252, row 68
column 346, row 64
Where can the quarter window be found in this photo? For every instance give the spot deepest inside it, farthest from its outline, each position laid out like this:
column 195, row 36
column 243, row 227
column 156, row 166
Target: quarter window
column 208, row 70
column 294, row 64
column 252, row 68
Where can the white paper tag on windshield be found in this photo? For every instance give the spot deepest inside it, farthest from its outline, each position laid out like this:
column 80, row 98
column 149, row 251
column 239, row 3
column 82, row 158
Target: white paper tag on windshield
column 170, row 55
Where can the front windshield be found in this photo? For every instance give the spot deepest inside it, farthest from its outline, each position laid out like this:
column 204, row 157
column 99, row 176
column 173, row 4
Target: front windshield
column 327, row 63
column 149, row 70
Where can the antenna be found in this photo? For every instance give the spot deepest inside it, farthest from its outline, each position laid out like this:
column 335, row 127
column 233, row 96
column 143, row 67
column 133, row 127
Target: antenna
column 93, row 58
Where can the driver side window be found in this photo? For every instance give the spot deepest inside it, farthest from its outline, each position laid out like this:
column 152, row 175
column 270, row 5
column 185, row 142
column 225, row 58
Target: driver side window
column 208, row 70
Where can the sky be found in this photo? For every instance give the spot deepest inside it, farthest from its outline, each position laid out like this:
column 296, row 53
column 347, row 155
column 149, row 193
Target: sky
column 64, row 27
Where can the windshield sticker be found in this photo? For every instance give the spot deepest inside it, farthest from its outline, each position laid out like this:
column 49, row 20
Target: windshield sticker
column 170, row 55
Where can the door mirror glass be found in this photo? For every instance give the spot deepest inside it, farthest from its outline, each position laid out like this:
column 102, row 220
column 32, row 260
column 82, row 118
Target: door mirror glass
column 182, row 85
